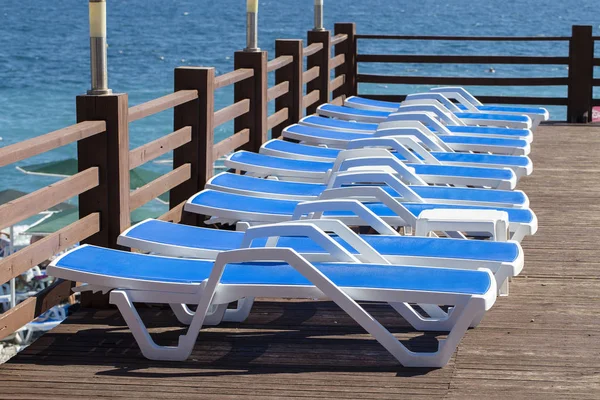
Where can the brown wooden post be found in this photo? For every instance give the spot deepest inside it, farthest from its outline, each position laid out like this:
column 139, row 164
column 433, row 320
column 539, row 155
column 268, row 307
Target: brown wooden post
column 109, row 151
column 255, row 89
column 291, row 73
column 348, row 68
column 581, row 74
column 321, row 60
column 199, row 115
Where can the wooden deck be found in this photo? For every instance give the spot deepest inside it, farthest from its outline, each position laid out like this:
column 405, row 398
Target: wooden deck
column 543, row 341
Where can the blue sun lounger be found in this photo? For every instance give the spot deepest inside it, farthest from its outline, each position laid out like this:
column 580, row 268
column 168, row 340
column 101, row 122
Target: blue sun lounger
column 458, row 118
column 504, row 259
column 521, row 165
column 447, row 141
column 303, row 191
column 372, row 159
column 341, row 204
column 464, row 101
column 278, row 272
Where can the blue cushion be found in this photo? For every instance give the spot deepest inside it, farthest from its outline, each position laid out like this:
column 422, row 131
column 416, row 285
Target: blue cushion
column 223, row 240
column 120, row 264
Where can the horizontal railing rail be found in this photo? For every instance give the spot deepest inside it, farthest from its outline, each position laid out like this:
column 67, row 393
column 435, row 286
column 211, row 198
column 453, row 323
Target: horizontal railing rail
column 161, row 104
column 468, row 38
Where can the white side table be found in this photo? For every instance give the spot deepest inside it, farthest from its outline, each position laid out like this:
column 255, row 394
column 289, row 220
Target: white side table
column 455, row 221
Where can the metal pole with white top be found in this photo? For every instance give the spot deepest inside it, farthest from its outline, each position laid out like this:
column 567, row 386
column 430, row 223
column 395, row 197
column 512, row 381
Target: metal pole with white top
column 319, row 16
column 252, row 26
column 98, row 58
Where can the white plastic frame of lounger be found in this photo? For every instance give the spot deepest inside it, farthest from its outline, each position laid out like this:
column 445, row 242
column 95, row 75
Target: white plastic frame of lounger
column 371, row 159
column 338, row 179
column 338, row 199
column 400, row 141
column 365, row 253
column 127, row 291
column 427, row 105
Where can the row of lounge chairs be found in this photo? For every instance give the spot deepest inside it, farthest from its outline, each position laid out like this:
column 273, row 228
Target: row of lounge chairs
column 370, row 164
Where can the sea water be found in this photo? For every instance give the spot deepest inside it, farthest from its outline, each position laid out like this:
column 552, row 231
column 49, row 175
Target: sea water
column 44, row 52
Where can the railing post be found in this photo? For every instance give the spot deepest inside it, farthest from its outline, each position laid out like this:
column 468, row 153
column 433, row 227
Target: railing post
column 255, row 89
column 109, row 151
column 321, row 60
column 348, row 68
column 199, row 115
column 291, row 73
column 581, row 74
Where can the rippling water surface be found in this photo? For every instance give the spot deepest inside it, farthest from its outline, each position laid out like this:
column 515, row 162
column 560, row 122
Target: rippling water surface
column 44, row 56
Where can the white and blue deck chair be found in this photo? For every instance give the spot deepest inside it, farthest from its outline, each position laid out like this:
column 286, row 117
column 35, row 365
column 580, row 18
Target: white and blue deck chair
column 504, row 259
column 407, row 148
column 433, row 106
column 464, row 100
column 373, row 160
column 302, row 191
column 341, row 204
column 434, row 132
column 280, row 272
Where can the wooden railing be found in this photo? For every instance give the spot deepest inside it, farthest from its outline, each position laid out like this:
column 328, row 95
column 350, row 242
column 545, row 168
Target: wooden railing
column 38, row 201
column 105, row 160
column 579, row 81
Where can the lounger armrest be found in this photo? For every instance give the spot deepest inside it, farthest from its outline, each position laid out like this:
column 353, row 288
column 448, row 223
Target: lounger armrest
column 401, row 144
column 376, row 177
column 459, row 94
column 416, row 98
column 375, row 158
column 365, row 250
column 443, row 115
column 419, row 120
column 305, row 229
column 375, row 193
column 315, row 209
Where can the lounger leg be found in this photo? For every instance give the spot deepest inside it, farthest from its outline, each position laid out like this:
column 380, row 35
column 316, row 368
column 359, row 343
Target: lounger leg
column 148, row 347
column 242, row 311
column 438, row 320
column 183, row 313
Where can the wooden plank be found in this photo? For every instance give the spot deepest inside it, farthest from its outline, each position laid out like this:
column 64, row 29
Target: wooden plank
column 158, row 147
column 310, row 74
column 255, row 90
column 291, row 73
column 339, row 101
column 152, row 190
column 238, row 75
column 337, row 82
column 339, row 38
column 277, row 91
column 231, row 143
column 457, row 59
column 108, row 153
column 33, row 203
column 469, row 38
column 553, row 101
column 175, row 214
column 321, row 60
column 310, row 99
column 199, row 115
column 581, row 75
column 311, row 49
column 277, row 118
column 435, row 80
column 232, row 111
column 32, row 255
column 349, row 68
column 41, row 144
column 279, row 62
column 161, row 104
column 33, row 307
column 337, row 61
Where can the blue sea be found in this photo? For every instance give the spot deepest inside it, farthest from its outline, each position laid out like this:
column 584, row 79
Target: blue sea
column 44, row 53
